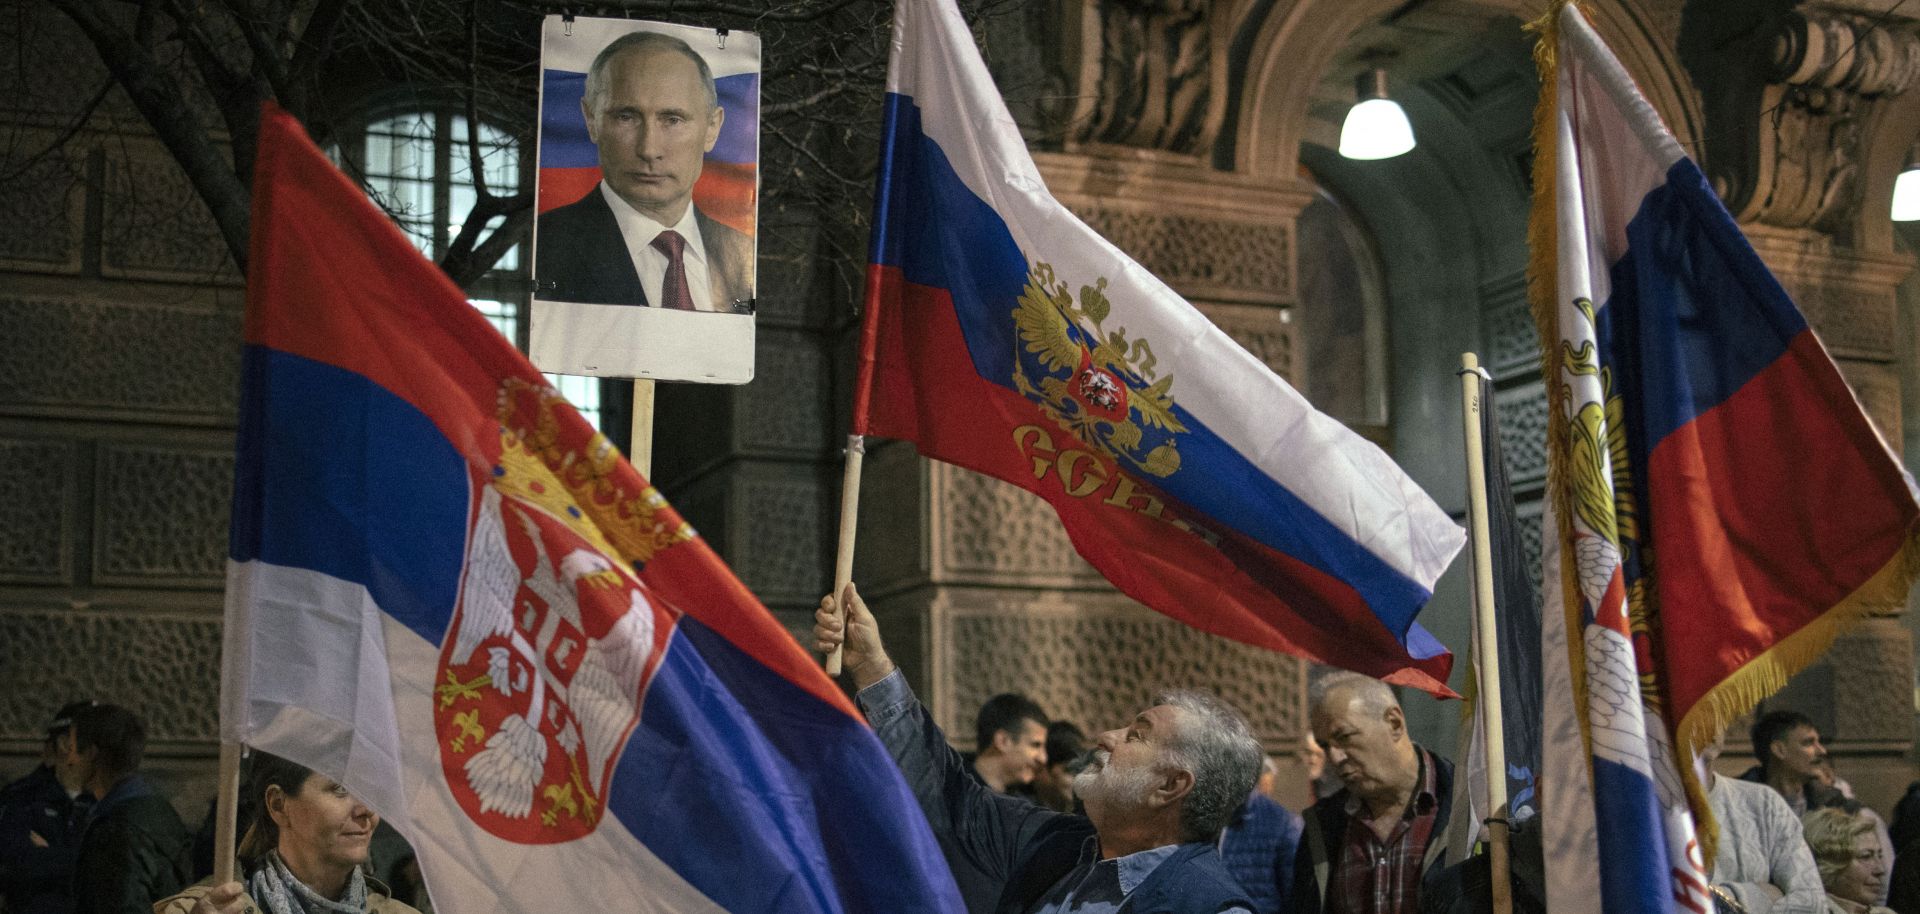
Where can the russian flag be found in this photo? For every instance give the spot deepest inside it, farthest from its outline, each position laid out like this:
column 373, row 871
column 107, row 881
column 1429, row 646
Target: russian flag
column 1003, row 335
column 1719, row 507
column 729, row 185
column 450, row 593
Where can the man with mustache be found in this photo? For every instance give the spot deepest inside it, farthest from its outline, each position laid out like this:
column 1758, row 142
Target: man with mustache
column 637, row 239
column 1370, row 848
column 1157, row 793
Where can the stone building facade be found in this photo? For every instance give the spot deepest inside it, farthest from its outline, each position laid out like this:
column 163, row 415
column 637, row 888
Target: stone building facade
column 1197, row 135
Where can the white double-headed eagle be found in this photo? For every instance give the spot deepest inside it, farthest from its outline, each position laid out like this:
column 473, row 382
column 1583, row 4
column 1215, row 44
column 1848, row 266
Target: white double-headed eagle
column 603, row 691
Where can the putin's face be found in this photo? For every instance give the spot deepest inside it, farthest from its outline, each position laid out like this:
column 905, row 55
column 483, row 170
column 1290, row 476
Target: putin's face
column 652, row 126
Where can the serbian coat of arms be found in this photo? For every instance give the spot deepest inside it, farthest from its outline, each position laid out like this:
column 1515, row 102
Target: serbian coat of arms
column 1093, row 382
column 544, row 665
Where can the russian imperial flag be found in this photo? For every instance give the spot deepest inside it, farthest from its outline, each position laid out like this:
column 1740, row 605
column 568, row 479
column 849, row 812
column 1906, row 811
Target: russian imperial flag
column 1003, row 335
column 1718, row 505
column 451, row 594
column 729, row 183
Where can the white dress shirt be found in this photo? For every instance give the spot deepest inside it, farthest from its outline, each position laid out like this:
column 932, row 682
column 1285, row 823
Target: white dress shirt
column 638, row 231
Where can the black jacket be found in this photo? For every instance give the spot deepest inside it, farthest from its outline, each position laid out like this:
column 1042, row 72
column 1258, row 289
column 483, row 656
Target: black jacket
column 1326, row 833
column 582, row 257
column 134, row 852
column 36, row 879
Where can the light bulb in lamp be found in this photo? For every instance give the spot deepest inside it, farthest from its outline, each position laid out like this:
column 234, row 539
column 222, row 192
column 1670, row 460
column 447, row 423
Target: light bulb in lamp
column 1906, row 193
column 1376, row 126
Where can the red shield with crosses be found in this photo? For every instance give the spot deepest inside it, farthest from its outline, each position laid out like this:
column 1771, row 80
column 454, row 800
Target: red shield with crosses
column 544, row 667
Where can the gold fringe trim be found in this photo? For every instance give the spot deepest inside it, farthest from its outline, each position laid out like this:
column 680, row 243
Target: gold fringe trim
column 1768, row 672
column 1543, row 295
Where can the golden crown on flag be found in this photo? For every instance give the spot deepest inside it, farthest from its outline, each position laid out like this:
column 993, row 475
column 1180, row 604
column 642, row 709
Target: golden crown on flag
column 629, row 519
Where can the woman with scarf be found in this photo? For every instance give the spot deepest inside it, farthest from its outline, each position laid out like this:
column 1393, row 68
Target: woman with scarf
column 304, row 853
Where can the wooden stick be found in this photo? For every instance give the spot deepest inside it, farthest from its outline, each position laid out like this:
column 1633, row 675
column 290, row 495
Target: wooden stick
column 1486, row 635
column 640, row 448
column 226, row 807
column 849, row 518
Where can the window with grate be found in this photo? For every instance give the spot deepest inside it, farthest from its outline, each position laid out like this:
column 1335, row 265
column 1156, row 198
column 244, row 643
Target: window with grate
column 416, row 165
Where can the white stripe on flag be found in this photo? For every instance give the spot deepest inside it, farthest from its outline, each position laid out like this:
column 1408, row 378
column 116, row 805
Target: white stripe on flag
column 334, row 684
column 1344, row 478
column 1570, row 839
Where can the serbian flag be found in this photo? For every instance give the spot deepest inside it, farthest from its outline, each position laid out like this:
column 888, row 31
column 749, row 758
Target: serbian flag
column 448, row 592
column 1718, row 505
column 1003, row 335
column 729, row 182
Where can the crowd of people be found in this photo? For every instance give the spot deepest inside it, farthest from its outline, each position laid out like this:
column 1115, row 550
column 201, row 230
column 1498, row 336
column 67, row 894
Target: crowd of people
column 1172, row 811
column 85, row 833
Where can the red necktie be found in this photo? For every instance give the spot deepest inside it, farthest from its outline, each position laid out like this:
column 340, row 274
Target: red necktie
column 673, row 290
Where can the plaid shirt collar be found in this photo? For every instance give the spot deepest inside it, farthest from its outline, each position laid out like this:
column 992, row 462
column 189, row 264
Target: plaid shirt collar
column 1425, row 797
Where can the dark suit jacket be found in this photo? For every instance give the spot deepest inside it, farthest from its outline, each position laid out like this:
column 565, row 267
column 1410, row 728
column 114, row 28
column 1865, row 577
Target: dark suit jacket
column 581, row 257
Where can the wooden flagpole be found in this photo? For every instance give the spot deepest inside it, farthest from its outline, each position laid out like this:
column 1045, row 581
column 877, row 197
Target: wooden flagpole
column 226, row 808
column 849, row 520
column 640, row 446
column 1486, row 638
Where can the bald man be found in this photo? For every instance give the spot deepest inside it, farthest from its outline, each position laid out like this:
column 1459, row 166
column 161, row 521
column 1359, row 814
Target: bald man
column 1370, row 848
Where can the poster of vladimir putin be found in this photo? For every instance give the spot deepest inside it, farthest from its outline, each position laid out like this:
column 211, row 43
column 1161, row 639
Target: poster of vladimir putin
column 647, row 195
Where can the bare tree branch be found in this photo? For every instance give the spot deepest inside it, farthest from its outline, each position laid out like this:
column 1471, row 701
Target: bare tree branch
column 179, row 129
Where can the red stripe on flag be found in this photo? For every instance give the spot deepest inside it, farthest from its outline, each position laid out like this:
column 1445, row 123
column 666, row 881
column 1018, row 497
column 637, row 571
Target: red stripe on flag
column 1132, row 532
column 562, row 186
column 316, row 242
column 1768, row 511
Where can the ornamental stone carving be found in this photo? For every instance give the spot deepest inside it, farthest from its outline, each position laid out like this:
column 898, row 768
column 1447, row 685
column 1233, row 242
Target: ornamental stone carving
column 1097, row 659
column 1198, row 255
column 104, row 360
column 120, row 654
column 1150, row 80
column 37, row 485
column 1787, row 96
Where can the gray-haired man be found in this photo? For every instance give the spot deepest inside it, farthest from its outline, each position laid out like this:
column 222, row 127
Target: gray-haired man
column 1157, row 794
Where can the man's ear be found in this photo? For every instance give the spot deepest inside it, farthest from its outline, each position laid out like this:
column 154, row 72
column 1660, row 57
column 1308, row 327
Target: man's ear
column 714, row 121
column 1002, row 742
column 1174, row 784
column 593, row 124
column 1777, row 748
column 1396, row 720
column 275, row 803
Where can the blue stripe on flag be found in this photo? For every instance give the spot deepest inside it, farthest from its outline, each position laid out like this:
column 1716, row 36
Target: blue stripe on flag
column 941, row 235
column 365, row 488
column 1635, row 875
column 730, row 773
column 1688, row 268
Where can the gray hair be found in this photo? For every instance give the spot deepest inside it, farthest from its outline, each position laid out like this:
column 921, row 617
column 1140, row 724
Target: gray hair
column 644, row 41
column 1375, row 696
column 1830, row 834
column 1214, row 743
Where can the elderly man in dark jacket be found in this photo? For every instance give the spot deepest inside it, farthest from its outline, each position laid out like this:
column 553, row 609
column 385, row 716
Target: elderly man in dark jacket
column 1156, row 795
column 1372, row 847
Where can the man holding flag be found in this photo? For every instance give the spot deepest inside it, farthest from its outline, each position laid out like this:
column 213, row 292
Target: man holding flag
column 1157, row 794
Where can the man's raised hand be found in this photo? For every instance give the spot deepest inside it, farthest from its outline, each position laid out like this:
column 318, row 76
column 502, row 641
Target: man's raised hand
column 864, row 656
